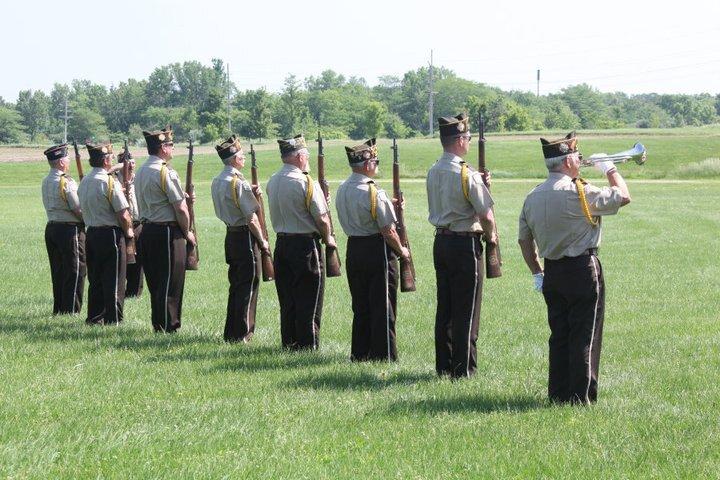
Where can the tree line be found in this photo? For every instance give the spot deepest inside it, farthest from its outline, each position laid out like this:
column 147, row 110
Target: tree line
column 194, row 99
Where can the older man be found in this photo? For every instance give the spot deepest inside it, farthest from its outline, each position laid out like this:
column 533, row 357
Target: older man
column 64, row 233
column 109, row 224
column 460, row 210
column 166, row 230
column 237, row 207
column 561, row 221
column 299, row 215
column 134, row 271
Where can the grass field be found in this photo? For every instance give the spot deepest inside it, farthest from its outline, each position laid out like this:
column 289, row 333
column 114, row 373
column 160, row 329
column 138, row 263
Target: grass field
column 80, row 402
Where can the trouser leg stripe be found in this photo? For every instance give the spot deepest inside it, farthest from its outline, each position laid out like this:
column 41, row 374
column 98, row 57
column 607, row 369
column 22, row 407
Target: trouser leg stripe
column 317, row 294
column 117, row 267
column 167, row 286
column 596, row 272
column 252, row 283
column 77, row 267
column 472, row 309
column 387, row 301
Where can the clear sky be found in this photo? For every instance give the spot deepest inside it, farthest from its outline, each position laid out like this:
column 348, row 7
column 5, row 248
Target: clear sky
column 630, row 46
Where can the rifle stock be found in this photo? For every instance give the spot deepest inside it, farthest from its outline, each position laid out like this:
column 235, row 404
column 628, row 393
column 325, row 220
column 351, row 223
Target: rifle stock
column 193, row 256
column 268, row 270
column 130, row 243
column 493, row 260
column 332, row 259
column 407, row 267
column 78, row 161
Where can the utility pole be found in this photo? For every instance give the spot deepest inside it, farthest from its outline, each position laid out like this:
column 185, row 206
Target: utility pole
column 431, row 95
column 66, row 121
column 227, row 78
column 538, row 82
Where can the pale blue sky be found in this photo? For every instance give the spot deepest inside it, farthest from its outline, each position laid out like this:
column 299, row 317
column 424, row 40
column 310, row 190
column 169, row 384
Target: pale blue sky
column 613, row 45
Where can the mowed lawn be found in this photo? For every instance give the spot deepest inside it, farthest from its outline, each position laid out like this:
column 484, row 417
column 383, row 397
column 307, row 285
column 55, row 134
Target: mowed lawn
column 82, row 402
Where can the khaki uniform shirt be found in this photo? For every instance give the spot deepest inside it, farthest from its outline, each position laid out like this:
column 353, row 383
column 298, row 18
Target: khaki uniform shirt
column 57, row 209
column 448, row 206
column 154, row 204
column 233, row 213
column 286, row 197
column 131, row 198
column 552, row 215
column 98, row 207
column 353, row 207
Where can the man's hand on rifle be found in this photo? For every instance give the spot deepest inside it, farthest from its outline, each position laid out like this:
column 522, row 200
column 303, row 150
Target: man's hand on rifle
column 330, row 242
column 191, row 198
column 401, row 203
column 190, row 237
column 256, row 190
column 491, row 237
column 487, row 178
column 405, row 253
column 265, row 247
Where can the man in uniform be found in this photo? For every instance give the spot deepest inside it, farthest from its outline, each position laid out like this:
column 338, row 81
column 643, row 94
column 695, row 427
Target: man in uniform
column 368, row 219
column 64, row 233
column 237, row 207
column 561, row 222
column 166, row 229
column 134, row 272
column 109, row 224
column 299, row 215
column 460, row 209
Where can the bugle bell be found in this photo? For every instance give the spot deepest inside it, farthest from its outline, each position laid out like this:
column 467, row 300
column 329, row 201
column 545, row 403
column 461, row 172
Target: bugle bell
column 638, row 154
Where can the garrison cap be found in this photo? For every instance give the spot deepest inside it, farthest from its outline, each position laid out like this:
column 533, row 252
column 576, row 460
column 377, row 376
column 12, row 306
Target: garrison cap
column 124, row 155
column 56, row 152
column 560, row 147
column 98, row 152
column 158, row 137
column 360, row 153
column 229, row 148
column 292, row 144
column 453, row 126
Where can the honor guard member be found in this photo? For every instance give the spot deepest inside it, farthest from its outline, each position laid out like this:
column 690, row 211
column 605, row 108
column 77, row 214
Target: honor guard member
column 134, row 272
column 165, row 230
column 368, row 219
column 299, row 215
column 109, row 224
column 64, row 233
column 561, row 221
column 460, row 209
column 237, row 207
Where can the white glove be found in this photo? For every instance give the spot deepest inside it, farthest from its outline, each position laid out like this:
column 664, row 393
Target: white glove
column 603, row 167
column 538, row 279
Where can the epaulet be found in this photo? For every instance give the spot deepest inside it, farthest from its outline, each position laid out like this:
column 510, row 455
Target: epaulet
column 309, row 191
column 163, row 177
column 465, row 179
column 373, row 199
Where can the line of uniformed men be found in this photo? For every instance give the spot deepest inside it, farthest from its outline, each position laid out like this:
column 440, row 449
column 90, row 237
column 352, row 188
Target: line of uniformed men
column 561, row 216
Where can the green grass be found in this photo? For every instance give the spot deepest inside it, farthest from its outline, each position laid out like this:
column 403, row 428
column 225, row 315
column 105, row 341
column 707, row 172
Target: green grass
column 81, row 402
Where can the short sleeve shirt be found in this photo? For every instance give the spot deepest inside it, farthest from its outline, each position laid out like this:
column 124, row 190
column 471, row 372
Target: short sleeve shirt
column 353, row 207
column 233, row 208
column 553, row 217
column 59, row 205
column 446, row 200
column 286, row 191
column 156, row 205
column 98, row 203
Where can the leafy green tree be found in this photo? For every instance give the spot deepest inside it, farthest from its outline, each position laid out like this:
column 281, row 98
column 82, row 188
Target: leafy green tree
column 373, row 121
column 11, row 127
column 183, row 120
column 34, row 109
column 394, row 126
column 87, row 125
column 588, row 104
column 292, row 114
column 258, row 103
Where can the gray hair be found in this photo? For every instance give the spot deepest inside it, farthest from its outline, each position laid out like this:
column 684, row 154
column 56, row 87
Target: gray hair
column 229, row 159
column 553, row 164
column 295, row 153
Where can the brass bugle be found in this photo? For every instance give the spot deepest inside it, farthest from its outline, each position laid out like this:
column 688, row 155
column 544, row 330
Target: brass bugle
column 638, row 154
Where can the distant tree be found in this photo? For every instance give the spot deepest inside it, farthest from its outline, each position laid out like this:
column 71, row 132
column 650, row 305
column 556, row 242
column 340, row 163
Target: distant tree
column 258, row 103
column 34, row 109
column 11, row 127
column 182, row 120
column 373, row 121
column 87, row 125
column 125, row 105
column 394, row 126
column 326, row 81
column 588, row 104
column 292, row 113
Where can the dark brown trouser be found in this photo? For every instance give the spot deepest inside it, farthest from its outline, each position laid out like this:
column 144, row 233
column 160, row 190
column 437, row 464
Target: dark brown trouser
column 459, row 276
column 106, row 257
column 574, row 292
column 372, row 275
column 242, row 255
column 134, row 271
column 65, row 245
column 300, row 284
column 163, row 256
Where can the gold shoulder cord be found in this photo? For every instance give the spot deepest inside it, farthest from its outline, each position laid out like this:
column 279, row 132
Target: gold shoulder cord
column 111, row 185
column 465, row 179
column 373, row 200
column 163, row 178
column 233, row 187
column 63, row 185
column 309, row 192
column 580, row 184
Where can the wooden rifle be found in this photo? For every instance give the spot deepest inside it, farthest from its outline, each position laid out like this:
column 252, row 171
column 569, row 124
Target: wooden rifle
column 332, row 259
column 78, row 161
column 130, row 243
column 268, row 270
column 407, row 268
column 193, row 256
column 493, row 260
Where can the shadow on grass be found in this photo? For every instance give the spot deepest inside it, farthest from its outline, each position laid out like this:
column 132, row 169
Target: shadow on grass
column 259, row 358
column 358, row 380
column 480, row 403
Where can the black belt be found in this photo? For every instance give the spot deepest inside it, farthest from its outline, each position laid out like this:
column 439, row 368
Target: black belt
column 74, row 224
column 238, row 228
column 103, row 227
column 445, row 231
column 162, row 224
column 586, row 253
column 306, row 235
column 360, row 237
